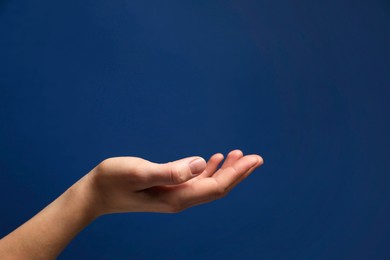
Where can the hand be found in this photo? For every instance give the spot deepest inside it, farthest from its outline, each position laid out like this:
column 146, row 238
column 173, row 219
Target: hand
column 131, row 184
column 126, row 184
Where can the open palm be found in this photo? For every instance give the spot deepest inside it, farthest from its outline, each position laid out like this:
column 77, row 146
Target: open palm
column 128, row 184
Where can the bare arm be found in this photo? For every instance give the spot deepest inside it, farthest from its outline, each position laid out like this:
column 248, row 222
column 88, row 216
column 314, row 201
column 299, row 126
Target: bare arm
column 126, row 184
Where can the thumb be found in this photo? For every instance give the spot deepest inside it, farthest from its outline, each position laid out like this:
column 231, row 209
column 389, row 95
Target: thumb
column 176, row 172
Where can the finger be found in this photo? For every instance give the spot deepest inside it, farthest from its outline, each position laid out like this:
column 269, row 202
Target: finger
column 231, row 158
column 176, row 172
column 230, row 175
column 247, row 173
column 212, row 165
column 207, row 189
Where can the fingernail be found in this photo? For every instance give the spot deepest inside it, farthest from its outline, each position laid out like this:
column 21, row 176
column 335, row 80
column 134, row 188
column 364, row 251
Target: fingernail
column 197, row 166
column 261, row 160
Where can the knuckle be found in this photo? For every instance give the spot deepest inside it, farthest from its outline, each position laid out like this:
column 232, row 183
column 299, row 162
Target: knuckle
column 177, row 175
column 139, row 170
column 104, row 165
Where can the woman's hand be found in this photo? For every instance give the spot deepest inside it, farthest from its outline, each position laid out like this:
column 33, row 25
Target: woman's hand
column 131, row 184
column 125, row 184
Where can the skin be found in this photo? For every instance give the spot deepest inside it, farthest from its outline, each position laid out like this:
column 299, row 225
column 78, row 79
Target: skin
column 126, row 184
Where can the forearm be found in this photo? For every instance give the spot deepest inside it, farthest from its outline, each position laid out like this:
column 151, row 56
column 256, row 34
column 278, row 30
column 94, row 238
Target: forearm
column 46, row 234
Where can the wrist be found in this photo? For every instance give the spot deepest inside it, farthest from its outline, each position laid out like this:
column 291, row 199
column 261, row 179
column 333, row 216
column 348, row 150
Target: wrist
column 46, row 234
column 84, row 196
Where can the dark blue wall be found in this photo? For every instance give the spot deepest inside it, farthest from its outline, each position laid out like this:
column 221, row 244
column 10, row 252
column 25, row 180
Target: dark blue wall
column 306, row 84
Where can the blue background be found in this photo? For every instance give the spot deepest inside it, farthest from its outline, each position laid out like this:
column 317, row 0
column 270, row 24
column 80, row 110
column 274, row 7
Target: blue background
column 305, row 84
